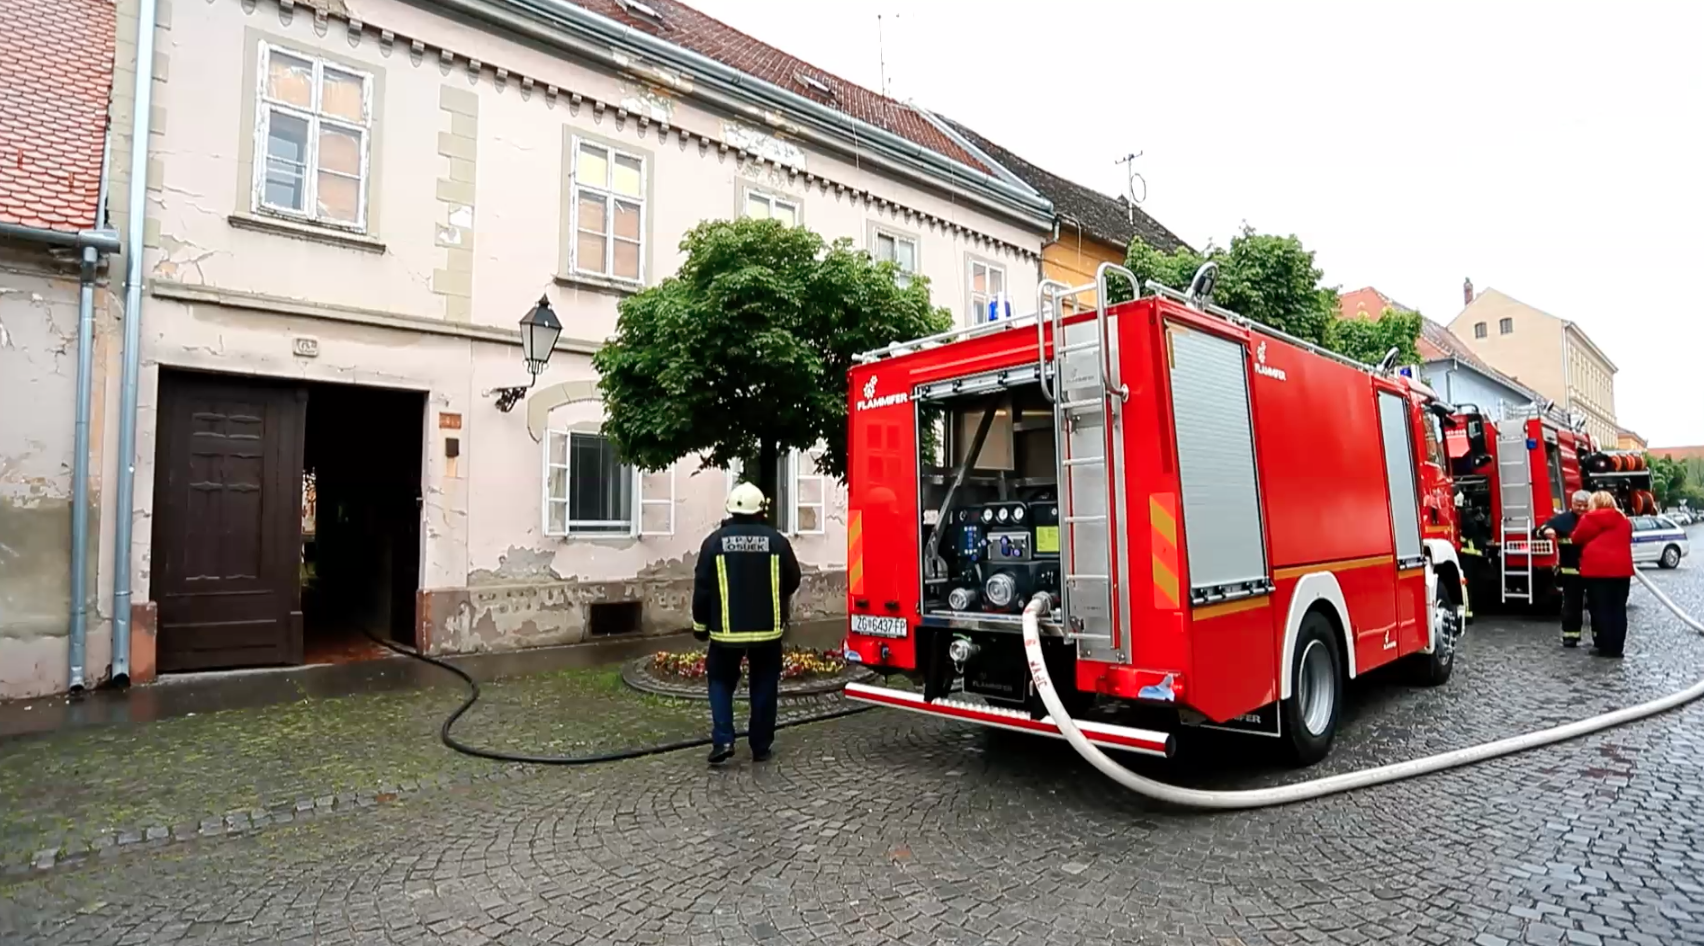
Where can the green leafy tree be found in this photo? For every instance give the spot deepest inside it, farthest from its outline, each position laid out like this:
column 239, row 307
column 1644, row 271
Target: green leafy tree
column 743, row 354
column 1669, row 480
column 1273, row 280
column 1368, row 340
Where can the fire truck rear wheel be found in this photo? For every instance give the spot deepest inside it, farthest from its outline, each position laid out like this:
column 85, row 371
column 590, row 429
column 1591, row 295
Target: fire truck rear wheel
column 1311, row 713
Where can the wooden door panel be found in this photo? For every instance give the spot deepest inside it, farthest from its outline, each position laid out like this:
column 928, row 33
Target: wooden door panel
column 227, row 529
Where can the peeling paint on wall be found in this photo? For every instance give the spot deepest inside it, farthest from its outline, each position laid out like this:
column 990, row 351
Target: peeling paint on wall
column 646, row 101
column 763, row 144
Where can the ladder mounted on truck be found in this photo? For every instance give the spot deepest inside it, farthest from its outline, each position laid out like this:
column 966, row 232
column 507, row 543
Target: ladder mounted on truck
column 1088, row 440
column 1516, row 531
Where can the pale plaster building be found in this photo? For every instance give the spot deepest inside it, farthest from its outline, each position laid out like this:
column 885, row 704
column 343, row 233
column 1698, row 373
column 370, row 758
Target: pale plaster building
column 350, row 204
column 1551, row 355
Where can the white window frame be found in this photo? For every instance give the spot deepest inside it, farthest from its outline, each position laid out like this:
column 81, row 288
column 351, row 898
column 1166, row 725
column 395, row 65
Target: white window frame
column 752, row 193
column 607, row 191
column 579, row 529
column 979, row 300
column 264, row 109
column 906, row 275
column 791, row 470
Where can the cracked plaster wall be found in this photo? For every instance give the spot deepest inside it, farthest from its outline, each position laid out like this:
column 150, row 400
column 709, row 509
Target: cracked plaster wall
column 482, row 514
column 38, row 371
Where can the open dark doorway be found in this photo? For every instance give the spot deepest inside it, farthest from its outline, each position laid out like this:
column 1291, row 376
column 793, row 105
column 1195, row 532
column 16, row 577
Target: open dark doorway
column 361, row 483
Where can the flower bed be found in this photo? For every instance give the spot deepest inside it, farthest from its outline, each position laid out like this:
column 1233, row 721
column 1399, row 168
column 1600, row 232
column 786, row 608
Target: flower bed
column 797, row 663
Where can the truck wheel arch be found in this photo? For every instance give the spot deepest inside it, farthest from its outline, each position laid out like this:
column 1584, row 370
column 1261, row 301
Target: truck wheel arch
column 1318, row 591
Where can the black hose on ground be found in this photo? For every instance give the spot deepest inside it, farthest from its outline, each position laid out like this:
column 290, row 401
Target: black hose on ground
column 449, row 740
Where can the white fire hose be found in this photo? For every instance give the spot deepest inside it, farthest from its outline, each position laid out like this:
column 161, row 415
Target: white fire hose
column 1348, row 781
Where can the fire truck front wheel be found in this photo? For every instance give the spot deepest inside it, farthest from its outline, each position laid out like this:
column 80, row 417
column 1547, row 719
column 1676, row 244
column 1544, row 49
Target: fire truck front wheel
column 1311, row 712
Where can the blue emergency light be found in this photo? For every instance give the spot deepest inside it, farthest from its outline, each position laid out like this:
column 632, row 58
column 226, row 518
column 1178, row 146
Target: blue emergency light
column 999, row 307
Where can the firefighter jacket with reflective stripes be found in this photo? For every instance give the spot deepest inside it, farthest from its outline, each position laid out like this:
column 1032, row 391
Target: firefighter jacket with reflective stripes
column 1567, row 553
column 746, row 574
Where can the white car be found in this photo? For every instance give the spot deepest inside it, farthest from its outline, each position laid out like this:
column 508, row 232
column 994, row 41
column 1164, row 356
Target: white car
column 1659, row 539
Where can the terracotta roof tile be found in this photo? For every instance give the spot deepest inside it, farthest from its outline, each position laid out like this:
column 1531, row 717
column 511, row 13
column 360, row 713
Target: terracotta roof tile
column 689, row 29
column 1110, row 219
column 53, row 110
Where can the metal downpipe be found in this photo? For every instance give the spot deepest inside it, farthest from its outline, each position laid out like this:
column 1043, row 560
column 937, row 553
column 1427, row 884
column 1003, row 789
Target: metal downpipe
column 1347, row 781
column 79, row 636
column 80, row 471
column 135, row 225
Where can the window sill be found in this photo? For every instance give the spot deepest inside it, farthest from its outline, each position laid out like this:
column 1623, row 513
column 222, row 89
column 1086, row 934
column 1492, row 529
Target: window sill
column 603, row 284
column 300, row 231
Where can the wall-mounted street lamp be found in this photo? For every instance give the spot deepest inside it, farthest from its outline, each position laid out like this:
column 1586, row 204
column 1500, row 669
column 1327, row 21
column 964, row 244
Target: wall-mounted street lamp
column 539, row 331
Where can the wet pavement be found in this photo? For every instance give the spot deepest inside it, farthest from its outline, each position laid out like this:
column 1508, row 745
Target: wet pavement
column 177, row 695
column 889, row 828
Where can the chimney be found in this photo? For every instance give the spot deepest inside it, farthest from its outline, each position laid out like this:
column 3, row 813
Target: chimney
column 1467, row 292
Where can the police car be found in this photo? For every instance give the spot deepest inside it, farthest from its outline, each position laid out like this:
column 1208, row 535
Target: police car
column 1659, row 539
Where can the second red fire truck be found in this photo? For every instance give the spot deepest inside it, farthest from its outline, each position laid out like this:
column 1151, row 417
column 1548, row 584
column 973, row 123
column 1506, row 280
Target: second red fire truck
column 1513, row 472
column 1228, row 523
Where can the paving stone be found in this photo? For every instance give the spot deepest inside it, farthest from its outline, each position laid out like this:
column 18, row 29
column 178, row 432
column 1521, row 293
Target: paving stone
column 855, row 834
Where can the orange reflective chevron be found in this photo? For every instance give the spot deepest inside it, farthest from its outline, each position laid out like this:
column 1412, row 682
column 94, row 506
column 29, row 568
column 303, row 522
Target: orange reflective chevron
column 1162, row 514
column 855, row 553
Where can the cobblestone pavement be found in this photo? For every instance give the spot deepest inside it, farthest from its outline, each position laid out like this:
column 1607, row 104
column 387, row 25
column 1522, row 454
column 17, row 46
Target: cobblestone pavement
column 92, row 787
column 890, row 828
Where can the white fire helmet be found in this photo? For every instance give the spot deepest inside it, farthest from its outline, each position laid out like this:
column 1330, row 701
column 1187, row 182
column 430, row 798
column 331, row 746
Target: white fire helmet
column 745, row 500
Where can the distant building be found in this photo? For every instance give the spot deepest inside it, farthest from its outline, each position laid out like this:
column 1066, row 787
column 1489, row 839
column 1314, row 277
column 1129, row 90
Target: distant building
column 1628, row 440
column 1089, row 228
column 1551, row 355
column 1446, row 362
column 1678, row 453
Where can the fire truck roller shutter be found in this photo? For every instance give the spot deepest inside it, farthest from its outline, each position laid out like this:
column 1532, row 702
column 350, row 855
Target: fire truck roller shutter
column 1400, row 472
column 1223, row 531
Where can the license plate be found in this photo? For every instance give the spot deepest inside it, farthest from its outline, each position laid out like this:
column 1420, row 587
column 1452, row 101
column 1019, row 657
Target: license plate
column 875, row 626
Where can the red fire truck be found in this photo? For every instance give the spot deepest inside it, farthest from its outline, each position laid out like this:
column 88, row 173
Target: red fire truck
column 1228, row 522
column 1513, row 472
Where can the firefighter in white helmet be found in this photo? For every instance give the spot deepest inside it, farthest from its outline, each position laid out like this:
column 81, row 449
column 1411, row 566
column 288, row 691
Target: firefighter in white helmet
column 745, row 576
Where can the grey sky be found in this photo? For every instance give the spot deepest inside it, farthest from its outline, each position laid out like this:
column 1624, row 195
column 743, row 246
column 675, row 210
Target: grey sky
column 1548, row 150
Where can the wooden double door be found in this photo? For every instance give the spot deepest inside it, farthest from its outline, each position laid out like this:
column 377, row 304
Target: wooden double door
column 227, row 536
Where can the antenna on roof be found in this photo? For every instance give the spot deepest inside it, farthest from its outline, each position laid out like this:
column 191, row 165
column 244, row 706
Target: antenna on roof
column 881, row 51
column 1131, row 179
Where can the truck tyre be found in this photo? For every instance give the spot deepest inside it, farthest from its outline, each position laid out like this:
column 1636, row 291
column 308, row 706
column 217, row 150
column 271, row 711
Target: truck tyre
column 1434, row 669
column 1311, row 713
column 1671, row 557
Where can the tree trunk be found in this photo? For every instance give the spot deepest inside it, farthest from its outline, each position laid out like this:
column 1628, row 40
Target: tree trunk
column 768, row 458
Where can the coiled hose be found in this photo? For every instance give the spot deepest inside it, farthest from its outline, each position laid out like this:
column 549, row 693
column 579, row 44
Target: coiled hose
column 449, row 739
column 1347, row 781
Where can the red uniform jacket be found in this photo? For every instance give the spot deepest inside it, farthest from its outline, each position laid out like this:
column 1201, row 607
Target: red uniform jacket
column 1606, row 540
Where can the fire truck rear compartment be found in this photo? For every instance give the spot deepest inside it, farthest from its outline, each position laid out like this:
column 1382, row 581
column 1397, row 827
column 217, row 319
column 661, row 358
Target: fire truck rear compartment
column 989, row 501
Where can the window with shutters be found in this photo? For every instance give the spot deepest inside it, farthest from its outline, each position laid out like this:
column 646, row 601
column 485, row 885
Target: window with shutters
column 588, row 491
column 313, row 124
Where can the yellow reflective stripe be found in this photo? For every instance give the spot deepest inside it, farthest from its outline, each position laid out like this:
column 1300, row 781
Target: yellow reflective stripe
column 1570, row 571
column 775, row 586
column 746, row 637
column 722, row 586
column 698, row 627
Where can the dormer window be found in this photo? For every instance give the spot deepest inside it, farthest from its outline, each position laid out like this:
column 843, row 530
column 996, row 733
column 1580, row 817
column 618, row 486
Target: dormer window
column 815, row 85
column 642, row 10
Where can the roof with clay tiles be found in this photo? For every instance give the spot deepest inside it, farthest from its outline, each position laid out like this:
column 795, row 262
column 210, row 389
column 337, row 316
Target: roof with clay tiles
column 53, row 110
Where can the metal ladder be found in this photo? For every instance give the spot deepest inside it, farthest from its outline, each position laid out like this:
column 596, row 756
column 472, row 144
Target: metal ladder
column 1514, row 491
column 1088, row 402
column 1522, row 591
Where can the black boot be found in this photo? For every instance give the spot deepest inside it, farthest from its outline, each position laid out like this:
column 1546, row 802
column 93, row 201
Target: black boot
column 720, row 754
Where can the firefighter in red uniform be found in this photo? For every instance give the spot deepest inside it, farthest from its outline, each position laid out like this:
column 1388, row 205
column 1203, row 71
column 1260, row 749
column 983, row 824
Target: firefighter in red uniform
column 1560, row 529
column 746, row 573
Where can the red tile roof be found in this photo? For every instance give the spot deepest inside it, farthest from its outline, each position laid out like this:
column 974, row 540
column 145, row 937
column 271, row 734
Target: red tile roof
column 53, row 110
column 689, row 29
column 1677, row 453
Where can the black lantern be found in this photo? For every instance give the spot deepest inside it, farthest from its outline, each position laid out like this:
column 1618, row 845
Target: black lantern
column 539, row 331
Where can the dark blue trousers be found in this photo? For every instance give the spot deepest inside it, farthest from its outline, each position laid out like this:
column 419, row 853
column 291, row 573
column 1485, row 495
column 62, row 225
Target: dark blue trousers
column 722, row 668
